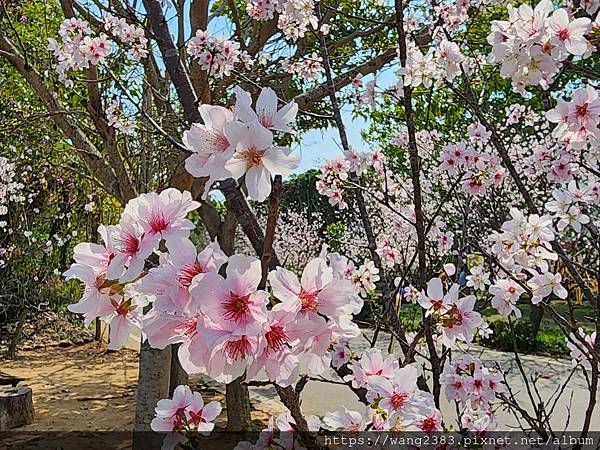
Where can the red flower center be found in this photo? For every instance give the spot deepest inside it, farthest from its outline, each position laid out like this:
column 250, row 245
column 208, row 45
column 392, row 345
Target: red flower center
column 129, row 244
column 187, row 328
column 158, row 222
column 187, row 274
column 276, row 338
column 196, row 418
column 237, row 349
column 398, row 400
column 564, row 34
column 429, row 425
column 310, row 300
column 236, row 307
column 581, row 110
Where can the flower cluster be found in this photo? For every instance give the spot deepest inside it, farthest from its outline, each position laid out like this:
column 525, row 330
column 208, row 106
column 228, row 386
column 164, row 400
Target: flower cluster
column 442, row 62
column 480, row 169
column 215, row 54
column 335, row 174
column 454, row 316
column 295, row 16
column 78, row 48
column 506, row 293
column 577, row 120
column 185, row 412
column 120, row 258
column 232, row 144
column 533, row 43
column 363, row 278
column 568, row 205
column 127, row 34
column 524, row 245
column 395, row 400
column 308, row 67
column 473, row 387
column 223, row 322
column 10, row 188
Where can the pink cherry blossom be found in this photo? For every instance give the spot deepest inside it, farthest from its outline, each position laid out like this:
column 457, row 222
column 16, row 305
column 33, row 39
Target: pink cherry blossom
column 233, row 301
column 316, row 292
column 133, row 248
column 186, row 411
column 164, row 215
column 371, row 364
column 209, row 144
column 266, row 112
column 257, row 159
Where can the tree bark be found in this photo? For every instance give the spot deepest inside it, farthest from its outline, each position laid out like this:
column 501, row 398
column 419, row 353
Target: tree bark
column 14, row 342
column 178, row 375
column 535, row 317
column 237, row 399
column 16, row 408
column 153, row 385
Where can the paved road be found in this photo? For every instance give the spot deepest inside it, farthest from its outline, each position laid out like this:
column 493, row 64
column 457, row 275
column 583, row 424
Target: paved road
column 318, row 397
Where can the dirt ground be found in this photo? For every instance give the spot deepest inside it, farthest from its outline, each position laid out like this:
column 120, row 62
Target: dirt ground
column 78, row 388
column 84, row 388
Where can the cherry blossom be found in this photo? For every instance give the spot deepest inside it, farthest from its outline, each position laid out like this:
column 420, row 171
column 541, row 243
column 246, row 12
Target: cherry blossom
column 234, row 301
column 435, row 301
column 579, row 353
column 124, row 315
column 506, row 293
column 345, row 420
column 371, row 363
column 266, row 112
column 210, row 146
column 534, row 42
column 185, row 412
column 163, row 216
column 215, row 54
column 478, row 279
column 132, row 250
column 257, row 159
column 399, row 396
column 544, row 284
column 317, row 291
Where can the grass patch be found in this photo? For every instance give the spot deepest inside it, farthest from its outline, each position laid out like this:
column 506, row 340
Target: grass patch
column 550, row 340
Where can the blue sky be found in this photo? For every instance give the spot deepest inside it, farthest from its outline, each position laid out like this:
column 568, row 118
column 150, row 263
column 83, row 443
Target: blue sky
column 316, row 146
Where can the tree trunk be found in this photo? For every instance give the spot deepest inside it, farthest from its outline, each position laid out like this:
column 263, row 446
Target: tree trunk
column 535, row 317
column 98, row 332
column 16, row 407
column 153, row 385
column 178, row 375
column 14, row 342
column 237, row 398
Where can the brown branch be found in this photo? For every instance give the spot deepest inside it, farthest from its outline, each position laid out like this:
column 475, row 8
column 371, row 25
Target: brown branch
column 436, row 363
column 267, row 252
column 364, row 214
column 306, row 100
column 187, row 97
column 86, row 149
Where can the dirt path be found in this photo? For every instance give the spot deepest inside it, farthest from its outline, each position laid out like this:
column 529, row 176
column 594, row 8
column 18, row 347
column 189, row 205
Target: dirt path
column 78, row 388
column 85, row 388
